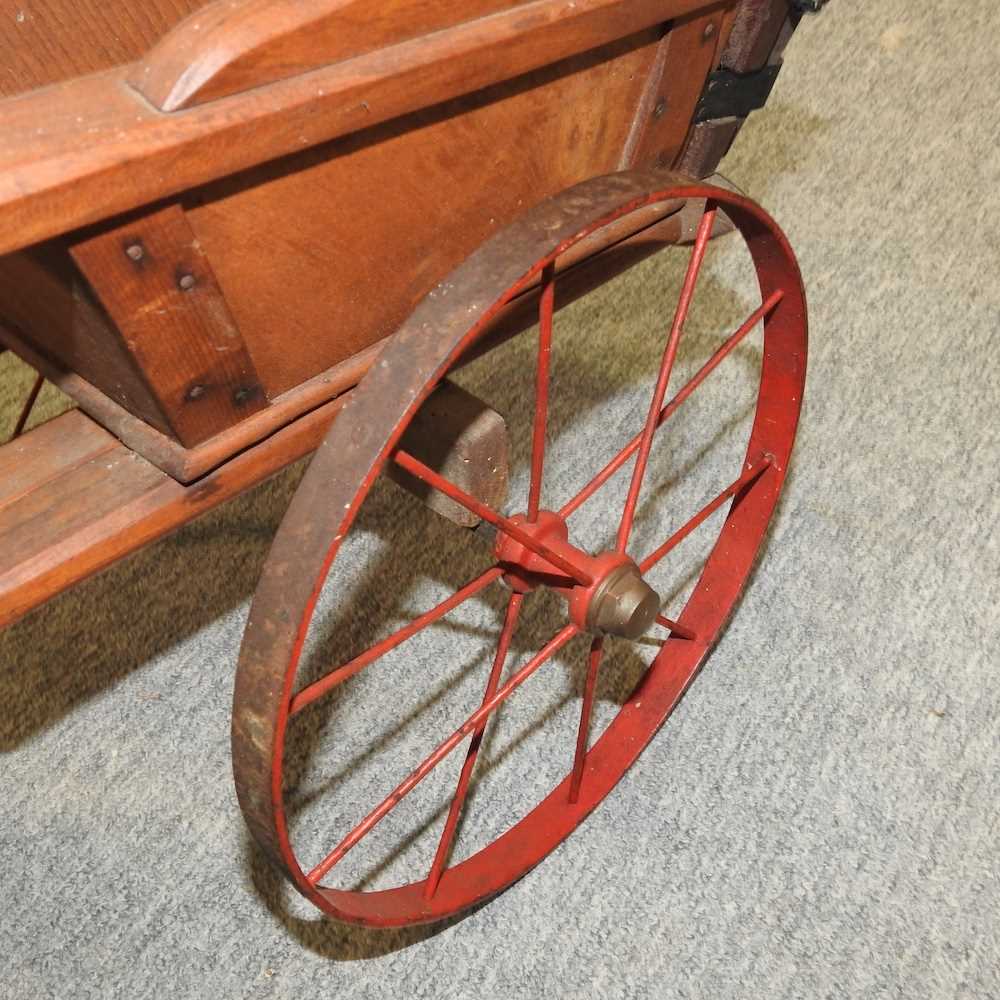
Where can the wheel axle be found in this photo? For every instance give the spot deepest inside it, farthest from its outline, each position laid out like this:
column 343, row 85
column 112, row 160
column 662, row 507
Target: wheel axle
column 616, row 601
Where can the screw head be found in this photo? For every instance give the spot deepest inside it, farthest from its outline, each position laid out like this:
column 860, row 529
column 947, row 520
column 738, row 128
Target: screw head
column 660, row 109
column 244, row 394
column 186, row 282
column 195, row 392
column 134, row 251
column 709, row 31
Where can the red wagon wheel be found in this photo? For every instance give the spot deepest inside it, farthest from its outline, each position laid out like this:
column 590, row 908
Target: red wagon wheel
column 606, row 593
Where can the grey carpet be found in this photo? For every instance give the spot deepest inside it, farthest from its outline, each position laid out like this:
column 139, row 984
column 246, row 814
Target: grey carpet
column 818, row 818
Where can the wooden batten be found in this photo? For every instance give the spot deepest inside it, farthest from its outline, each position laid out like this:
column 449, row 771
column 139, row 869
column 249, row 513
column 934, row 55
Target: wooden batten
column 687, row 54
column 157, row 285
column 51, row 319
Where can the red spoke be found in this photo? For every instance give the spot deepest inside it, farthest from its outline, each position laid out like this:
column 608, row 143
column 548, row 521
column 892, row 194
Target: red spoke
column 317, row 689
column 429, row 763
column 675, row 627
column 461, row 792
column 29, row 405
column 681, row 533
column 583, row 732
column 666, row 366
column 706, row 369
column 417, row 468
column 545, row 309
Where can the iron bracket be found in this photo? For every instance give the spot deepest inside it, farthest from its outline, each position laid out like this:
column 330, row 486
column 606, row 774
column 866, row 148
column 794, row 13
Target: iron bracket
column 735, row 95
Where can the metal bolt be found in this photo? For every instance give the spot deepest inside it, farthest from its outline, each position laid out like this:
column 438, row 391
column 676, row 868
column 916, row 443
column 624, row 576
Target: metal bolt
column 186, row 282
column 661, row 107
column 244, row 394
column 134, row 252
column 709, row 31
column 195, row 392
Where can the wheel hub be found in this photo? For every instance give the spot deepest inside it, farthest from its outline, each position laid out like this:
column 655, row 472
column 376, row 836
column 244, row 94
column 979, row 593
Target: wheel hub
column 615, row 599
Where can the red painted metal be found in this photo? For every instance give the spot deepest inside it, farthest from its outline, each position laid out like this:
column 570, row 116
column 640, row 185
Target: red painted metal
column 515, row 529
column 545, row 308
column 706, row 369
column 29, row 405
column 471, row 725
column 753, row 472
column 327, row 683
column 663, row 378
column 675, row 627
column 532, row 551
column 586, row 710
column 525, row 569
column 458, row 800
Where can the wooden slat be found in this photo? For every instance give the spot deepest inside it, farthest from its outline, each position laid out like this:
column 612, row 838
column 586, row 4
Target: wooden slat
column 49, row 451
column 52, row 514
column 77, row 524
column 157, row 284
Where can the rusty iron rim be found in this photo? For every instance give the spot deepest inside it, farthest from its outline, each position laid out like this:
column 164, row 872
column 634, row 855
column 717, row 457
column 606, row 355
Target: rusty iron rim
column 365, row 438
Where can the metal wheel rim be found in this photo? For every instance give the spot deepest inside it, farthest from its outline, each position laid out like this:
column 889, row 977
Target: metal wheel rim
column 439, row 332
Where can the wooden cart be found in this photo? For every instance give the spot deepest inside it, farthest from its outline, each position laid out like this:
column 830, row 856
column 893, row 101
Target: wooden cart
column 221, row 224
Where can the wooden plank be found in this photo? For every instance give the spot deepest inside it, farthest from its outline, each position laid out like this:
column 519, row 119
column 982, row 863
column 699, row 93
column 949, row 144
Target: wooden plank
column 232, row 47
column 188, row 464
column 87, row 520
column 49, row 516
column 49, row 451
column 103, row 149
column 157, row 284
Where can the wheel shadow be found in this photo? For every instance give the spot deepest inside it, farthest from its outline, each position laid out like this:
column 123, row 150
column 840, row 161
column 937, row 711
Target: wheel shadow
column 161, row 596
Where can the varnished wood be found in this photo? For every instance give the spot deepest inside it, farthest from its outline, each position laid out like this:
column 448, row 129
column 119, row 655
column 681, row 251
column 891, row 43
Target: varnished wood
column 46, row 41
column 188, row 464
column 233, row 47
column 93, row 147
column 393, row 209
column 50, row 310
column 156, row 283
column 690, row 50
column 48, row 452
column 80, row 521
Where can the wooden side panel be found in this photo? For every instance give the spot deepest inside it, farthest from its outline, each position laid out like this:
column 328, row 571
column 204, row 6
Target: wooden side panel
column 155, row 281
column 44, row 41
column 339, row 243
column 104, row 150
column 44, row 298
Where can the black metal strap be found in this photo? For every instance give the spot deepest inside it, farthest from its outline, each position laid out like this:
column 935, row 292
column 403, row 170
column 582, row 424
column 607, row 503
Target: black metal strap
column 735, row 95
